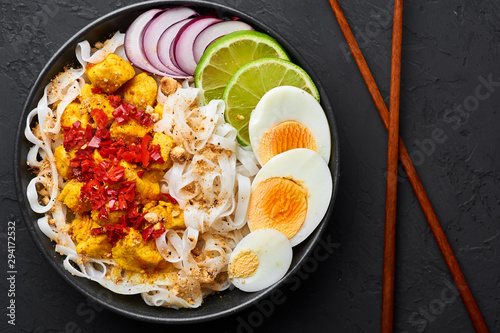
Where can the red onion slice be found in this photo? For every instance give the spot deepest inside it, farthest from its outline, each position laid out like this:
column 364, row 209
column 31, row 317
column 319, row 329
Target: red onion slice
column 183, row 43
column 164, row 43
column 155, row 29
column 213, row 32
column 171, row 53
column 133, row 42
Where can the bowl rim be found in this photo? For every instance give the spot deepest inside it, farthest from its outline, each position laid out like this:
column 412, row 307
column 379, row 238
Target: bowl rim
column 334, row 163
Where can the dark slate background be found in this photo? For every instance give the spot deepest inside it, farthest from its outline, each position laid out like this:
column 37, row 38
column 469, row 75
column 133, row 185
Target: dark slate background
column 449, row 48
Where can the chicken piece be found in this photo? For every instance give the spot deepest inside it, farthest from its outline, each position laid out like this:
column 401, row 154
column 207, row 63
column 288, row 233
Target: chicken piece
column 80, row 228
column 93, row 246
column 168, row 213
column 62, row 159
column 165, row 142
column 147, row 190
column 110, row 74
column 168, row 85
column 158, row 109
column 153, row 176
column 140, row 91
column 131, row 131
column 96, row 101
column 75, row 112
column 113, row 217
column 133, row 253
column 70, row 196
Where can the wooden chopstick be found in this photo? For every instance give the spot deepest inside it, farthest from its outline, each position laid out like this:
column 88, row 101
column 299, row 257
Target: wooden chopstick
column 387, row 322
column 418, row 188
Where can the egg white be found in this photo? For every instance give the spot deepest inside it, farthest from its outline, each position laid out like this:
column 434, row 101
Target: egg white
column 289, row 103
column 307, row 168
column 275, row 256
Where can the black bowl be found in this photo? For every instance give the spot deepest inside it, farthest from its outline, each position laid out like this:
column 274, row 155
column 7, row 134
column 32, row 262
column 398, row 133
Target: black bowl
column 217, row 306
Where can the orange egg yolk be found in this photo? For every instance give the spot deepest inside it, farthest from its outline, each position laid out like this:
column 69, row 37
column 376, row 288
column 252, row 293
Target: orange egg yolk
column 285, row 136
column 244, row 264
column 278, row 203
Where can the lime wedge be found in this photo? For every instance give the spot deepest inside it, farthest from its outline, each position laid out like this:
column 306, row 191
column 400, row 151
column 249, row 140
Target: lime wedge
column 252, row 81
column 227, row 54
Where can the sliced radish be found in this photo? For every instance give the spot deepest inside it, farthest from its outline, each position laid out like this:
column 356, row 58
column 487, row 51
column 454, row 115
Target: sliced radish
column 211, row 33
column 155, row 29
column 133, row 42
column 183, row 43
column 164, row 43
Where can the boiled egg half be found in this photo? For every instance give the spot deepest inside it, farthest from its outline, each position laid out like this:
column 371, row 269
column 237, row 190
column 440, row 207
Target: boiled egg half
column 291, row 193
column 285, row 118
column 260, row 260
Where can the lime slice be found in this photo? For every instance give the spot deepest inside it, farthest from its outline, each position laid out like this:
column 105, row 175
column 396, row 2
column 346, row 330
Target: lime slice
column 227, row 54
column 252, row 81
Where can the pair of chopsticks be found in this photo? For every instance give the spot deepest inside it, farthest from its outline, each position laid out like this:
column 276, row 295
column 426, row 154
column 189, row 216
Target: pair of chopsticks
column 395, row 146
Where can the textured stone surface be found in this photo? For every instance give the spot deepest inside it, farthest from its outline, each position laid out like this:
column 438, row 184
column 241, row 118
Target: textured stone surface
column 448, row 48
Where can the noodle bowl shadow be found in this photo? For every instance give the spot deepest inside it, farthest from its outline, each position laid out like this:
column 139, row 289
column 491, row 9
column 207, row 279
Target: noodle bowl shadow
column 214, row 306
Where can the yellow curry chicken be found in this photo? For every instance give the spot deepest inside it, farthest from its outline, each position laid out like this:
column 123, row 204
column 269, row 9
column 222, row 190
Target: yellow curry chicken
column 112, row 163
